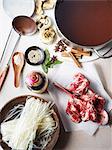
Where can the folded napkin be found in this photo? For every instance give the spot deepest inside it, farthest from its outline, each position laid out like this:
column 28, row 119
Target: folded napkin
column 64, row 74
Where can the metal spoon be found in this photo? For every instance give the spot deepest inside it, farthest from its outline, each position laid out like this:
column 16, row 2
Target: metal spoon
column 23, row 25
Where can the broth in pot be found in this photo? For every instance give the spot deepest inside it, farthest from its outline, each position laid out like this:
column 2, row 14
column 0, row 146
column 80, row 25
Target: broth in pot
column 87, row 23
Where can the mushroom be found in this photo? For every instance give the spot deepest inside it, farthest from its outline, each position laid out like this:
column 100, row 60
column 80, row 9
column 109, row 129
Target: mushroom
column 47, row 35
column 49, row 4
column 39, row 10
column 43, row 22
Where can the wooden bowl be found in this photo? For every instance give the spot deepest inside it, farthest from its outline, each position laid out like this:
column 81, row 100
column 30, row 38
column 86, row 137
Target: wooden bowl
column 21, row 100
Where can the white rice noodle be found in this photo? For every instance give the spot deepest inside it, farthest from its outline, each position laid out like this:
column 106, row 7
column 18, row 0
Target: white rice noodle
column 35, row 121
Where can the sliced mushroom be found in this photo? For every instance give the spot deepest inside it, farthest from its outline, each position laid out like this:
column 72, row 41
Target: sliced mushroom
column 49, row 4
column 39, row 10
column 48, row 35
column 43, row 22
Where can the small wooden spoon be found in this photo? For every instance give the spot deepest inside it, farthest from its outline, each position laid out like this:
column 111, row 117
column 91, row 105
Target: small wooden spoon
column 18, row 63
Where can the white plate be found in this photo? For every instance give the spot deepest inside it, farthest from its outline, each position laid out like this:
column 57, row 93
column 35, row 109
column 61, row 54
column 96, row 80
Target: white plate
column 19, row 7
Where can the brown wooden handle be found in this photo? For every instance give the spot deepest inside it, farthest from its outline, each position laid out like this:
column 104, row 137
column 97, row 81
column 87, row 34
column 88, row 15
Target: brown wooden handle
column 3, row 76
column 17, row 79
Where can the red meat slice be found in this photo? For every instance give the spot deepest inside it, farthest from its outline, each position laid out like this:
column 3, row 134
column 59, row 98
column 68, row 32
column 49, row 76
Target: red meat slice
column 99, row 103
column 73, row 112
column 80, row 84
column 89, row 95
column 85, row 104
column 88, row 112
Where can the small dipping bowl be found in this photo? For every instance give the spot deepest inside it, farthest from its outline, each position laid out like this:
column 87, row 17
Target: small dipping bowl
column 34, row 55
column 36, row 82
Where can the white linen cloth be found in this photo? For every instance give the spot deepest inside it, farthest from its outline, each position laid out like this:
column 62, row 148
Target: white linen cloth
column 63, row 74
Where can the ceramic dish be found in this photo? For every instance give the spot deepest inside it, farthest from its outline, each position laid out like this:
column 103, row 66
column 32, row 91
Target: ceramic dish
column 20, row 7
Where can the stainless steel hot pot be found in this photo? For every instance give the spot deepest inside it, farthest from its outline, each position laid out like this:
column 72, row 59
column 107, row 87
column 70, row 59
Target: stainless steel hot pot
column 85, row 23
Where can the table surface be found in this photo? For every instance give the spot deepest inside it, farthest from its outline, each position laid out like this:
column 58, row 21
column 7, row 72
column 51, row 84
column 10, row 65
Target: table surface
column 102, row 140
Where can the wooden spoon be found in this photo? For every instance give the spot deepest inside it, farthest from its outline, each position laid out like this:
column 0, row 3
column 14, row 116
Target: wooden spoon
column 23, row 25
column 18, row 63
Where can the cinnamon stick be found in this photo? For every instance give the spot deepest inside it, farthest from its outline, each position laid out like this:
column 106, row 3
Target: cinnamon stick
column 81, row 52
column 75, row 60
column 66, row 54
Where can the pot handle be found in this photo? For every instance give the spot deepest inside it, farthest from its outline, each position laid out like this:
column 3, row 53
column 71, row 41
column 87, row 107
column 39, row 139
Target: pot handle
column 104, row 55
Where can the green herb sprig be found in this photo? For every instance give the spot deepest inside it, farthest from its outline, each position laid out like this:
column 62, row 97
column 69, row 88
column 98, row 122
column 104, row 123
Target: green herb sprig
column 49, row 62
